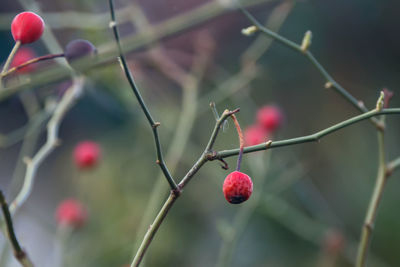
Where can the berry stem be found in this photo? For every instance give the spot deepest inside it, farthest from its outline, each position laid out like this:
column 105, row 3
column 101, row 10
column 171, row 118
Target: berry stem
column 29, row 62
column 9, row 60
column 241, row 141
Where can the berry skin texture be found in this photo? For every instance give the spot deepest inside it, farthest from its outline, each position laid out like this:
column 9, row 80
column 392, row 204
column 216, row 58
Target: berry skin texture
column 237, row 187
column 78, row 49
column 71, row 213
column 255, row 135
column 269, row 117
column 27, row 27
column 86, row 154
column 23, row 55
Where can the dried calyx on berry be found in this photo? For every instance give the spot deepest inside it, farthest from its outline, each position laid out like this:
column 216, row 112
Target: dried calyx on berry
column 27, row 27
column 79, row 49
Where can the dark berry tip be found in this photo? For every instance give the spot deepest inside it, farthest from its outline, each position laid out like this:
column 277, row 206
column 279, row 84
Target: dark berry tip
column 237, row 199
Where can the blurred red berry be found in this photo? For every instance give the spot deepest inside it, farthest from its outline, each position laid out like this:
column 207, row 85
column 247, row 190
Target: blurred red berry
column 86, row 154
column 27, row 27
column 23, row 55
column 255, row 135
column 334, row 241
column 71, row 213
column 269, row 117
column 237, row 187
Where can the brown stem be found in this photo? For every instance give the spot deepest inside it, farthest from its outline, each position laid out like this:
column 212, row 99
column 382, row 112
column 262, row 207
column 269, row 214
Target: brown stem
column 31, row 61
column 241, row 141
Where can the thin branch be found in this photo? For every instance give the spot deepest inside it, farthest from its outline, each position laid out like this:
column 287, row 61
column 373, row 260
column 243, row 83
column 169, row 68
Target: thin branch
column 29, row 62
column 153, row 229
column 189, row 83
column 173, row 196
column 304, row 139
column 241, row 141
column 19, row 254
column 9, row 60
column 370, row 217
column 331, row 83
column 154, row 125
column 392, row 166
column 52, row 141
column 217, row 127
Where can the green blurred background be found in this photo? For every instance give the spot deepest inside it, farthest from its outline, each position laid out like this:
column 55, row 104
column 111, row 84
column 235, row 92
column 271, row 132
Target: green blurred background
column 309, row 201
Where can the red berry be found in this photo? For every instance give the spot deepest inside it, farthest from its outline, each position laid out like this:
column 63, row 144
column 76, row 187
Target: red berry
column 27, row 27
column 237, row 187
column 71, row 213
column 86, row 154
column 333, row 241
column 23, row 55
column 269, row 117
column 255, row 135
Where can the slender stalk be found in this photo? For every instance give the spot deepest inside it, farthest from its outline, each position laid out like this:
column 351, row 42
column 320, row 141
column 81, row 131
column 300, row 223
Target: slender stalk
column 373, row 205
column 129, row 77
column 189, row 83
column 19, row 254
column 9, row 60
column 153, row 228
column 241, row 141
column 331, row 83
column 304, row 139
column 217, row 127
column 29, row 62
column 11, row 56
column 392, row 166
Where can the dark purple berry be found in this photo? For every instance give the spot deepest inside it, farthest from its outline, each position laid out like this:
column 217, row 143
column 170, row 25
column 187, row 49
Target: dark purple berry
column 78, row 49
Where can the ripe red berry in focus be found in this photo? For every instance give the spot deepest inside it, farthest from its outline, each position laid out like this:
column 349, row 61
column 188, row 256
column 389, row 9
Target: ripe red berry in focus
column 27, row 27
column 86, row 154
column 71, row 213
column 255, row 135
column 237, row 187
column 23, row 55
column 269, row 117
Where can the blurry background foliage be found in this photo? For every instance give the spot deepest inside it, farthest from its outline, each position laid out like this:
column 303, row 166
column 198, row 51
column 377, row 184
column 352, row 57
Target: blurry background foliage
column 308, row 197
